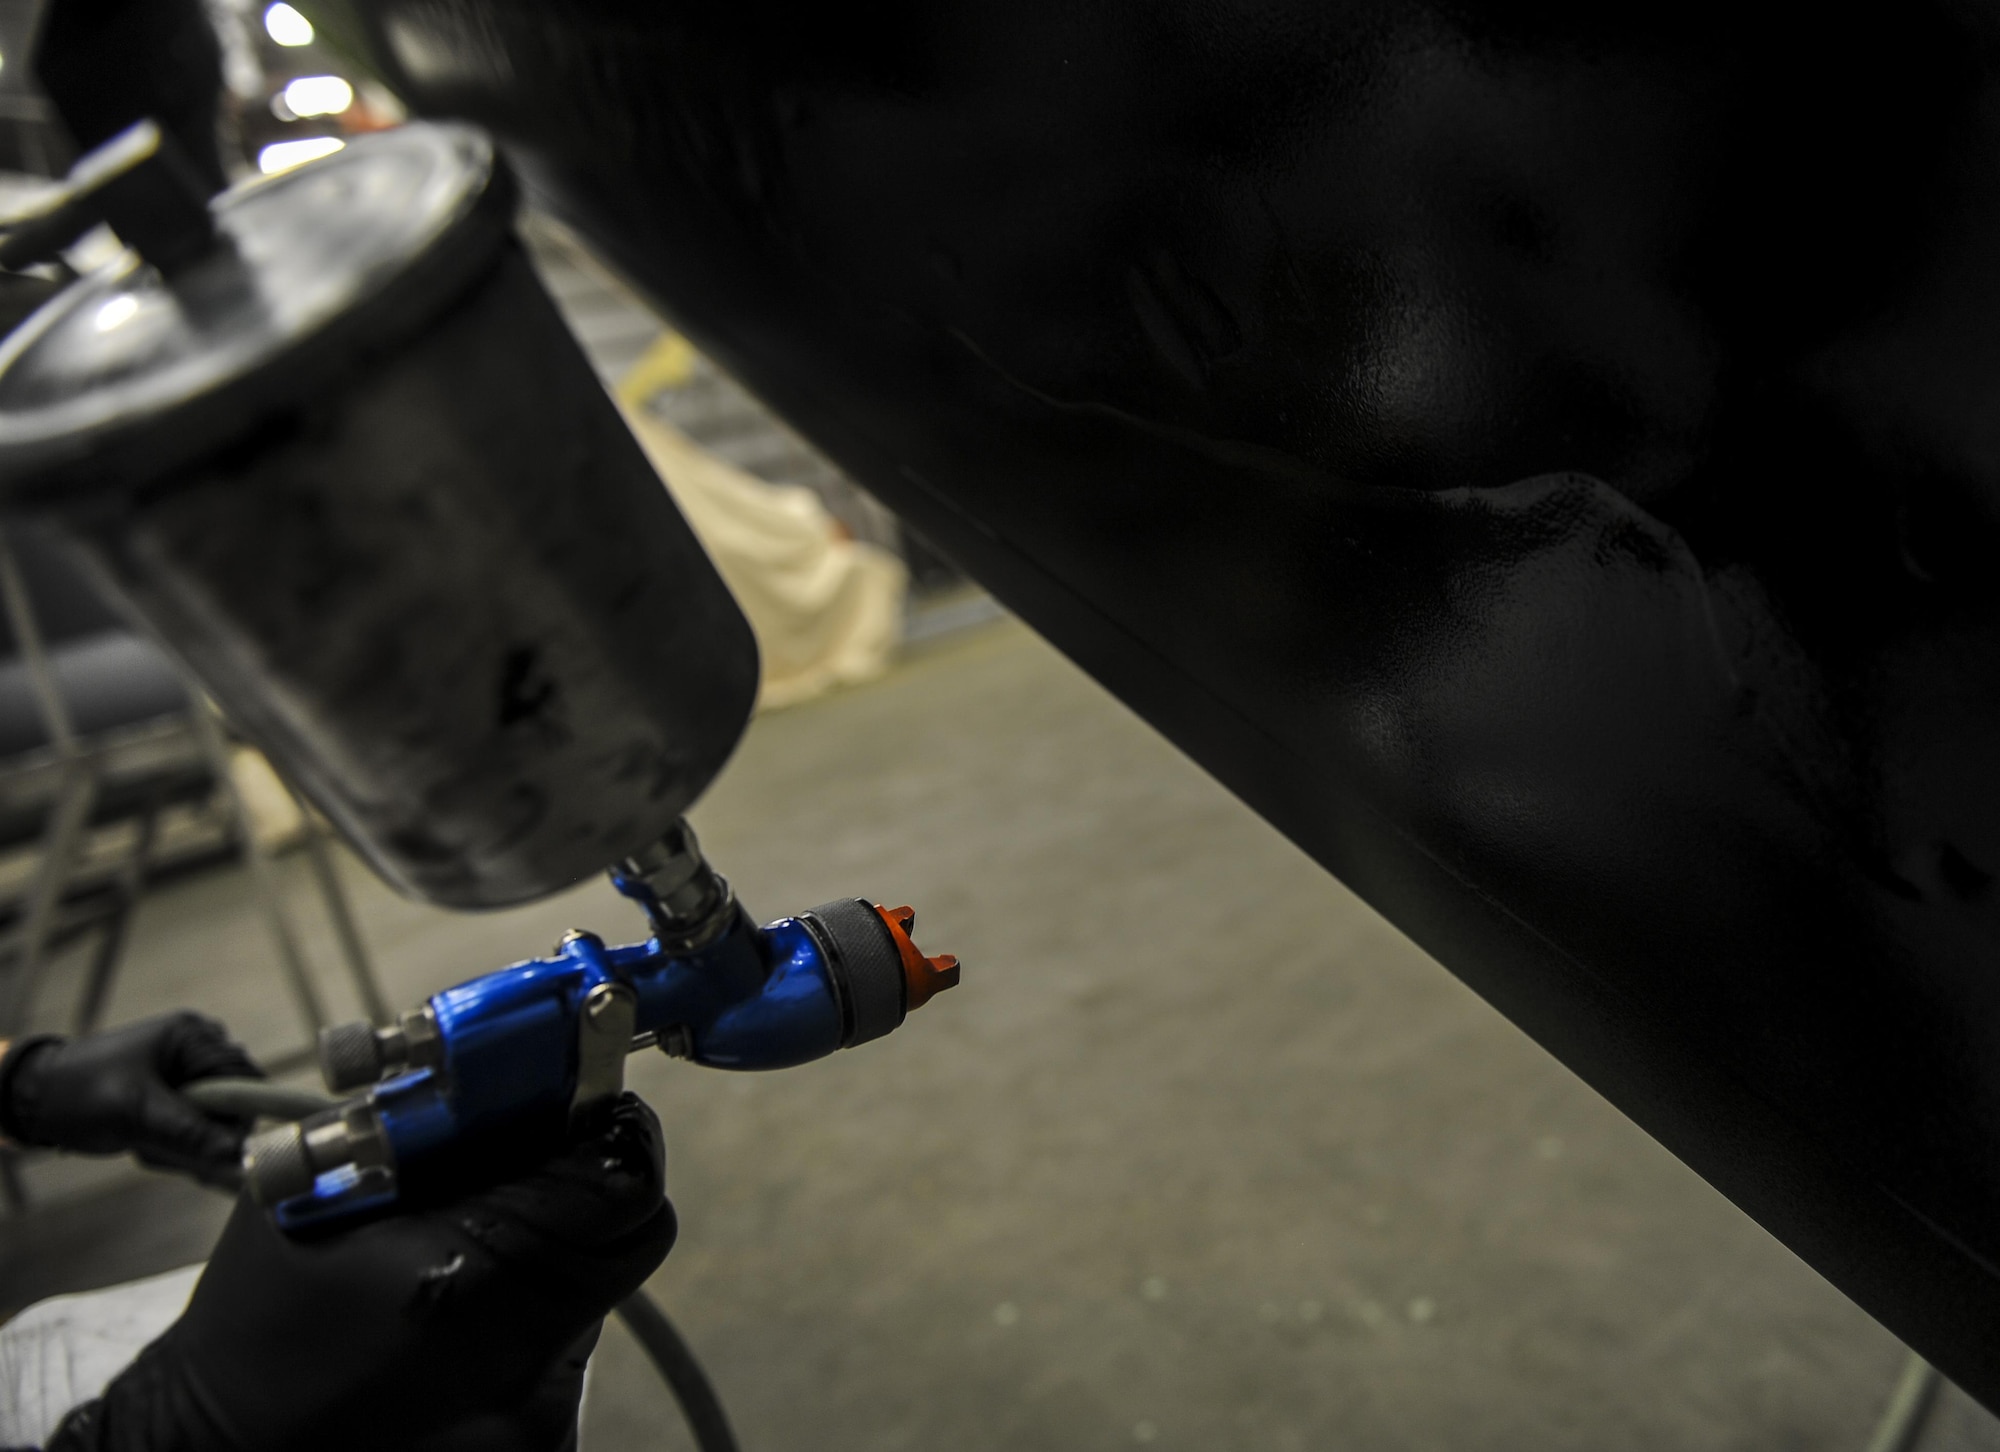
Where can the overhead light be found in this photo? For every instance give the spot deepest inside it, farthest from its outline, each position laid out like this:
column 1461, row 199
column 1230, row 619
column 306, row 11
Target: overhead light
column 318, row 96
column 286, row 26
column 284, row 155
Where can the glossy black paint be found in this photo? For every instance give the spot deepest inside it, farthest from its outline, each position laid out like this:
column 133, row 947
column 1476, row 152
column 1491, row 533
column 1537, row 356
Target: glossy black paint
column 1544, row 457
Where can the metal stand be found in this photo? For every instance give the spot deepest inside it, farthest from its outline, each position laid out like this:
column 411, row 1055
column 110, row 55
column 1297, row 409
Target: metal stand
column 263, row 873
column 25, row 950
column 63, row 837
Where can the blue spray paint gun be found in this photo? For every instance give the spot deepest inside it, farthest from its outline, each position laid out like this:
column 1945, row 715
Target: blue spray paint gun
column 493, row 1072
column 337, row 448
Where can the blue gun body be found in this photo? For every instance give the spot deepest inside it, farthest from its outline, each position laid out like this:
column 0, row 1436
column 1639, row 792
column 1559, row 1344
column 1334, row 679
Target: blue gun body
column 507, row 1057
column 495, row 1072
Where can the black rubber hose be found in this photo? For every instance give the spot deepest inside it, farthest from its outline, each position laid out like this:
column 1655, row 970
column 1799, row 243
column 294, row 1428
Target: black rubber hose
column 691, row 1387
column 255, row 1099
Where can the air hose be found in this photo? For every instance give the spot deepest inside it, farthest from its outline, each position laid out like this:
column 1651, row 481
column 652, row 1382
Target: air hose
column 683, row 1374
column 649, row 1325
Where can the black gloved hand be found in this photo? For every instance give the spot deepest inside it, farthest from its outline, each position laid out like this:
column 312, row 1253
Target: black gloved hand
column 437, row 1330
column 112, row 1092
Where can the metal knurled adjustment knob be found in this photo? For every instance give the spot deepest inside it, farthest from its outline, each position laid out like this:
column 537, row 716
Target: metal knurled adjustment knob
column 350, row 1055
column 881, row 974
column 275, row 1165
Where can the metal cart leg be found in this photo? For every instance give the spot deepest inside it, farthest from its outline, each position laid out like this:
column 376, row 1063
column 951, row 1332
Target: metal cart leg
column 118, row 925
column 345, row 931
column 263, row 872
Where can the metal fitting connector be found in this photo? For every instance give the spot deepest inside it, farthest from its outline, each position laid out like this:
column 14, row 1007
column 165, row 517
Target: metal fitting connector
column 287, row 1161
column 355, row 1055
column 687, row 903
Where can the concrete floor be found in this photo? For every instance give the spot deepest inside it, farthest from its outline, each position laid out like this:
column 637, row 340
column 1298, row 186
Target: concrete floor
column 1203, row 1154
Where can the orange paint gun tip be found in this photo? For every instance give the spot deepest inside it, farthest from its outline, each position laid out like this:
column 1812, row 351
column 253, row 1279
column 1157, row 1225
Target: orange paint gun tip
column 923, row 977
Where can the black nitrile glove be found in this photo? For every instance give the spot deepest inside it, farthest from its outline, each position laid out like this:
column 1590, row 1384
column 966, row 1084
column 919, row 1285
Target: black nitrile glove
column 459, row 1327
column 116, row 1091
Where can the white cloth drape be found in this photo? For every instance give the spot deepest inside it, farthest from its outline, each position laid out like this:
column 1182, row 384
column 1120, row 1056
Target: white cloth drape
column 827, row 609
column 61, row 1352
